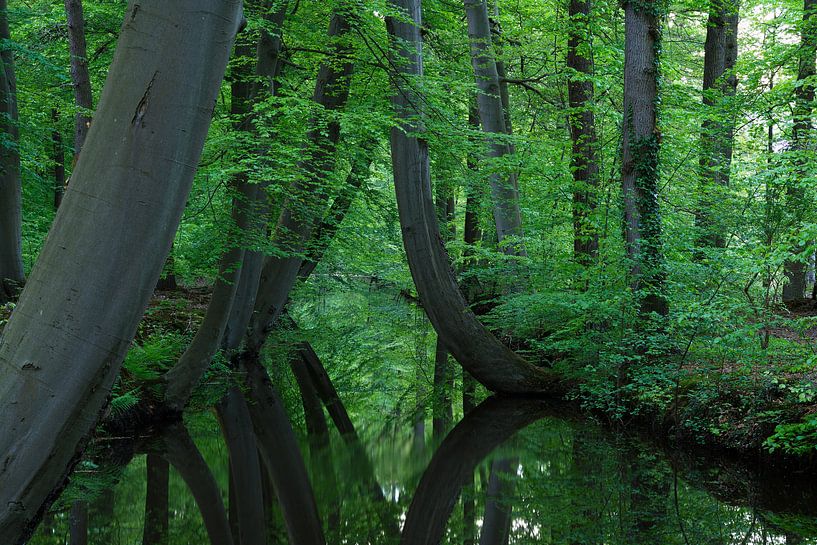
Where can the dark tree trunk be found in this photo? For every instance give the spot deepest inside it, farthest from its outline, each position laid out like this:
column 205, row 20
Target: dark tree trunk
column 247, row 498
column 282, row 456
column 308, row 195
column 153, row 116
column 442, row 409
column 795, row 270
column 720, row 82
column 641, row 143
column 179, row 449
column 59, row 158
column 11, row 241
column 496, row 524
column 78, row 522
column 486, row 427
column 584, row 163
column 156, row 501
column 471, row 344
column 505, row 191
column 80, row 78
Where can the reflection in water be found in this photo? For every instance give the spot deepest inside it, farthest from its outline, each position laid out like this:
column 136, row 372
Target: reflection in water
column 518, row 472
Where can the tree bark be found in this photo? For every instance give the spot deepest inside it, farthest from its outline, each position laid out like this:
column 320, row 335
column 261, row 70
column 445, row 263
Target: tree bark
column 496, row 524
column 583, row 162
column 80, row 78
column 179, row 449
column 471, row 344
column 114, row 229
column 78, row 522
column 505, row 192
column 719, row 83
column 794, row 269
column 59, row 158
column 245, row 468
column 641, row 143
column 12, row 276
column 156, row 501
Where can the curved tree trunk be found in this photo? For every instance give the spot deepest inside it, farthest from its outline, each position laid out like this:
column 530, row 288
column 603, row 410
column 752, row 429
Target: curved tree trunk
column 639, row 164
column 471, row 344
column 504, row 190
column 11, row 241
column 114, row 229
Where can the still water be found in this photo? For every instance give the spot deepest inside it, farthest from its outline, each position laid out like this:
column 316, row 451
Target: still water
column 511, row 472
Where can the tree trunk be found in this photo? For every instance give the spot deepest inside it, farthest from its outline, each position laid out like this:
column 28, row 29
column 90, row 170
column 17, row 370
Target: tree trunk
column 247, row 500
column 584, row 162
column 795, row 270
column 114, row 229
column 78, row 522
column 59, row 158
column 720, row 82
column 496, row 524
column 80, row 78
column 11, row 241
column 442, row 410
column 641, row 143
column 308, row 196
column 482, row 354
column 282, row 455
column 505, row 191
column 156, row 501
column 179, row 449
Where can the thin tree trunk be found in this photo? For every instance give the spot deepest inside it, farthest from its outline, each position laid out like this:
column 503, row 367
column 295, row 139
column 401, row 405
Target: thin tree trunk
column 505, row 191
column 719, row 83
column 114, row 229
column 156, row 501
column 182, row 453
column 12, row 276
column 80, row 78
column 496, row 524
column 795, row 270
column 584, row 162
column 59, row 158
column 641, row 143
column 488, row 360
column 78, row 522
column 442, row 410
column 247, row 500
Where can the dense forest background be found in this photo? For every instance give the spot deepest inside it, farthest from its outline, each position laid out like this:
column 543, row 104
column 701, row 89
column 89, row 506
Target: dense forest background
column 650, row 240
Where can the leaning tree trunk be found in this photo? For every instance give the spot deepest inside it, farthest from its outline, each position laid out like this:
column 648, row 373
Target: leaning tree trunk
column 471, row 344
column 641, row 142
column 584, row 162
column 504, row 190
column 795, row 269
column 11, row 242
column 114, row 229
column 720, row 82
column 80, row 78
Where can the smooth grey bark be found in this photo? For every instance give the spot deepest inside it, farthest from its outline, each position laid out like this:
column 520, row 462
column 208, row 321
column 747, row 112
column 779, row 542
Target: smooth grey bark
column 496, row 524
column 719, row 83
column 505, row 190
column 247, row 499
column 795, row 269
column 114, row 229
column 58, row 149
column 179, row 449
column 453, row 464
column 12, row 276
column 281, row 455
column 471, row 344
column 640, row 147
column 78, row 522
column 80, row 78
column 581, row 119
column 157, row 522
column 308, row 195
